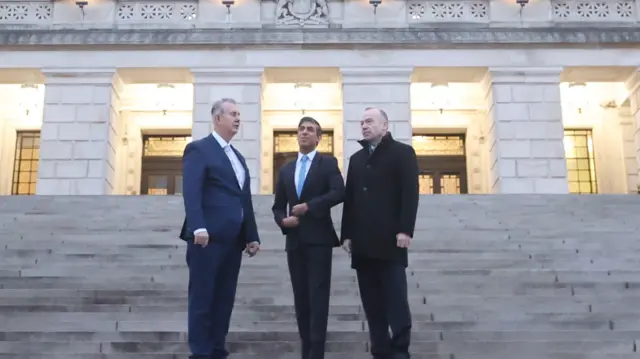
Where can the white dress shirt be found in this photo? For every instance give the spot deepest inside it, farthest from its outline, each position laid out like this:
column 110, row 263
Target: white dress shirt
column 235, row 163
column 310, row 157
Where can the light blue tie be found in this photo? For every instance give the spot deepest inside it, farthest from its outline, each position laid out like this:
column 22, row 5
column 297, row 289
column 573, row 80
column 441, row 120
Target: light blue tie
column 302, row 174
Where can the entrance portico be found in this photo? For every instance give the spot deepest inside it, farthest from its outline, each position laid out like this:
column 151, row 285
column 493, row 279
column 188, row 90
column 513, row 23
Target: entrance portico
column 475, row 129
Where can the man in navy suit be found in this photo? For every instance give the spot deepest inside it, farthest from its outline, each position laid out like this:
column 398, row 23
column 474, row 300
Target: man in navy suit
column 310, row 186
column 219, row 225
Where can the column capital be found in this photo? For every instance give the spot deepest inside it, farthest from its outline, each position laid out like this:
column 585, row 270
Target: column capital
column 219, row 75
column 532, row 75
column 376, row 75
column 80, row 76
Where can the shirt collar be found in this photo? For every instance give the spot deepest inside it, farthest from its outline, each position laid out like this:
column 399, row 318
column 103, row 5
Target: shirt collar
column 310, row 155
column 220, row 140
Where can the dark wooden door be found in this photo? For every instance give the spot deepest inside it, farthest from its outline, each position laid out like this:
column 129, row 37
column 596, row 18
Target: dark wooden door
column 162, row 165
column 285, row 149
column 442, row 163
column 442, row 175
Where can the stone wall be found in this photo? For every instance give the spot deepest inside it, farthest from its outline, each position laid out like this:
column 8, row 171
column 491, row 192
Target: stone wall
column 633, row 85
column 256, row 14
column 526, row 131
column 80, row 132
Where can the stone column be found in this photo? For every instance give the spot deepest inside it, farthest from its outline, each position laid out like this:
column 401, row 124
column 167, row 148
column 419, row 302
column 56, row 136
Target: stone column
column 525, row 131
column 633, row 84
column 243, row 85
column 385, row 88
column 80, row 132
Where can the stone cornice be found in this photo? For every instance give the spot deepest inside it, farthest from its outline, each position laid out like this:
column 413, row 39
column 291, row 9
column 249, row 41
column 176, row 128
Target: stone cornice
column 390, row 38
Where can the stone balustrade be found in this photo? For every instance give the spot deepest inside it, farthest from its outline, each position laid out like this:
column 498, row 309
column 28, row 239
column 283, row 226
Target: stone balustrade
column 316, row 13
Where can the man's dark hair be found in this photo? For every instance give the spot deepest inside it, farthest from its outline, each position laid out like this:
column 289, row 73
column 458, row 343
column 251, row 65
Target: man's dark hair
column 313, row 121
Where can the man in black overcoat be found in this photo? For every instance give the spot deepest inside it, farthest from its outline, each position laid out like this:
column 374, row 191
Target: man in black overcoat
column 378, row 220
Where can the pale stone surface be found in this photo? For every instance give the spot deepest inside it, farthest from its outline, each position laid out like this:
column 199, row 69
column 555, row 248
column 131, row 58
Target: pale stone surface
column 245, row 87
column 81, row 126
column 525, row 122
column 396, row 37
column 384, row 88
column 294, row 15
column 633, row 83
column 489, row 277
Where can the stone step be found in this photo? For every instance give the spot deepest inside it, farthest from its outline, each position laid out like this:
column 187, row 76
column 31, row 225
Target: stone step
column 416, row 257
column 490, row 277
column 249, row 316
column 283, row 347
column 449, row 336
column 351, row 289
column 508, row 355
column 413, row 275
column 595, row 322
column 416, row 284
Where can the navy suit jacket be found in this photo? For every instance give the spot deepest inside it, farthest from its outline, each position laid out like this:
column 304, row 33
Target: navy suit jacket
column 212, row 197
column 323, row 189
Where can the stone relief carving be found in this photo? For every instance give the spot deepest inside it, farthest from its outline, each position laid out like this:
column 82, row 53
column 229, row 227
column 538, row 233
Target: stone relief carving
column 302, row 12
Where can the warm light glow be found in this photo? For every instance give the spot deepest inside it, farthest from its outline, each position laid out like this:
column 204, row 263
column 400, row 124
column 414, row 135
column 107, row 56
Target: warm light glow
column 440, row 95
column 165, row 96
column 568, row 144
column 303, row 96
column 29, row 99
column 579, row 95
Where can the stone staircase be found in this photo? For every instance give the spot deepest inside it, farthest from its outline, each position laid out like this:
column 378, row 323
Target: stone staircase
column 491, row 277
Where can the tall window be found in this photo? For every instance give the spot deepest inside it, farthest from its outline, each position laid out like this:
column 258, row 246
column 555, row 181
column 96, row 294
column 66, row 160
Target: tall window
column 25, row 168
column 581, row 169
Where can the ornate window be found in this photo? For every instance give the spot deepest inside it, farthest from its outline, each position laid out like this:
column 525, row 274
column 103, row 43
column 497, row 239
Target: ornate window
column 165, row 146
column 581, row 169
column 438, row 145
column 25, row 169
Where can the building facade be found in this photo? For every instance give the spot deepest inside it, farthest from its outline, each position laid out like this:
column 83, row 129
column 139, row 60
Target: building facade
column 101, row 97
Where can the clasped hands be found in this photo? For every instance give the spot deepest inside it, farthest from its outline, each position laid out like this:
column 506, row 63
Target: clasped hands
column 297, row 211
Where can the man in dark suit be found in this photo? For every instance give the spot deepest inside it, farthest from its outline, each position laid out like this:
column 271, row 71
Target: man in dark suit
column 310, row 186
column 219, row 225
column 378, row 219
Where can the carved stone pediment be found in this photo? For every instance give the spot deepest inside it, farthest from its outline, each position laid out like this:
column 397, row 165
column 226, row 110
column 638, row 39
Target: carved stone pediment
column 301, row 12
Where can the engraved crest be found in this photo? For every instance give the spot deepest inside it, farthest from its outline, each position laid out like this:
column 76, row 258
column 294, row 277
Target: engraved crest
column 302, row 12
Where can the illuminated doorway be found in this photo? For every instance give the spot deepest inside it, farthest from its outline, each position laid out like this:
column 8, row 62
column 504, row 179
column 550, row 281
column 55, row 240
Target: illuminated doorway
column 442, row 163
column 162, row 164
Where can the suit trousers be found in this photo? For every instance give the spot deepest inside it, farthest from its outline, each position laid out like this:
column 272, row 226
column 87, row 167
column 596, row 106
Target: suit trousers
column 383, row 288
column 310, row 272
column 213, row 279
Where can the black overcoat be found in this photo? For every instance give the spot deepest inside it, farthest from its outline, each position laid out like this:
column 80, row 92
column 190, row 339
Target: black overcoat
column 381, row 200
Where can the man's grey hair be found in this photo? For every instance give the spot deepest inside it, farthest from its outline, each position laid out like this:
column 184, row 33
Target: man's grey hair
column 382, row 113
column 217, row 110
